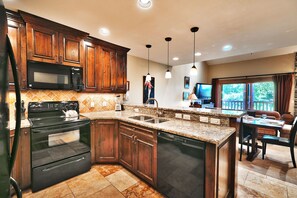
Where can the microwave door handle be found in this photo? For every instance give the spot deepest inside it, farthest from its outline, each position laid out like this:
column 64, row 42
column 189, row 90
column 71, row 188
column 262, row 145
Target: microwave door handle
column 55, row 129
column 17, row 105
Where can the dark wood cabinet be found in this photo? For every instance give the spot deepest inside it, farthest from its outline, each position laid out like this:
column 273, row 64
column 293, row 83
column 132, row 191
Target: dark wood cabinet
column 93, row 142
column 51, row 42
column 121, row 72
column 17, row 36
column 106, row 141
column 70, row 50
column 107, row 70
column 91, row 66
column 22, row 167
column 126, row 146
column 138, row 151
column 105, row 66
column 42, row 44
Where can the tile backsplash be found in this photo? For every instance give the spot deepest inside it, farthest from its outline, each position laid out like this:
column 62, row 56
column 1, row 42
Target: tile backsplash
column 102, row 102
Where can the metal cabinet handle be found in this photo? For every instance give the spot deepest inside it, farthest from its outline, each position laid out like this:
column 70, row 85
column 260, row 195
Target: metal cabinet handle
column 26, row 132
column 57, row 166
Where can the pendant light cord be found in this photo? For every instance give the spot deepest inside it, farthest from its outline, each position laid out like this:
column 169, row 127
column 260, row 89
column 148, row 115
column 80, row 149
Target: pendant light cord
column 168, row 55
column 194, row 51
column 148, row 60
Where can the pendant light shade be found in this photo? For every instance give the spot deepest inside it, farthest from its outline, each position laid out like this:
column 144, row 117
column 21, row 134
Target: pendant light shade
column 148, row 76
column 193, row 70
column 168, row 73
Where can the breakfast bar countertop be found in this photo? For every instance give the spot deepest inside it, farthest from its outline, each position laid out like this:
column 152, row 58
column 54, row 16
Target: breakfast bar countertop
column 201, row 111
column 195, row 130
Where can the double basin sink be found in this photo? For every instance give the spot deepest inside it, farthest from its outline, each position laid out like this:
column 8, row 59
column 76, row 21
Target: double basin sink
column 149, row 119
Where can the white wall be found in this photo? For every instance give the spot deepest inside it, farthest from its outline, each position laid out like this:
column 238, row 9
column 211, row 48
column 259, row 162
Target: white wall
column 168, row 92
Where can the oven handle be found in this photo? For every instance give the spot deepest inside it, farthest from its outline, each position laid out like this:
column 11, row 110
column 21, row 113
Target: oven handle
column 45, row 129
column 58, row 166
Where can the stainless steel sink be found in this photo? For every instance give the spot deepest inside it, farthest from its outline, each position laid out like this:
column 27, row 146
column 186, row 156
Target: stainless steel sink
column 156, row 120
column 141, row 117
column 149, row 119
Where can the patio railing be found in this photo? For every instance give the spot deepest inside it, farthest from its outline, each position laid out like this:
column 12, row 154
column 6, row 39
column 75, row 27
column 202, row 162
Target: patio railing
column 240, row 105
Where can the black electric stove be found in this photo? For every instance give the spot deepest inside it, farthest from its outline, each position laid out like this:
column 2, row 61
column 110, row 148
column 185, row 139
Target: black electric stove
column 60, row 145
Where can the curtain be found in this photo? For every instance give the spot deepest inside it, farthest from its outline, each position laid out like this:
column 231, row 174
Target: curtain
column 215, row 92
column 283, row 87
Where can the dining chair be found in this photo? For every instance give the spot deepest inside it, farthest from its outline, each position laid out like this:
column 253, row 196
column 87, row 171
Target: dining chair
column 244, row 137
column 288, row 142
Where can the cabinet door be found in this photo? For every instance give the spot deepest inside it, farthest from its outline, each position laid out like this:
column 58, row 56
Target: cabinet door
column 26, row 161
column 145, row 157
column 121, row 72
column 126, row 147
column 106, row 137
column 70, row 50
column 42, row 44
column 91, row 62
column 22, row 166
column 107, row 69
column 93, row 142
column 17, row 36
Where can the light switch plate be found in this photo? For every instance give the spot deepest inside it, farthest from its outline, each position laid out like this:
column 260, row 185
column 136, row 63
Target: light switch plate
column 92, row 104
column 215, row 121
column 186, row 117
column 104, row 103
column 203, row 119
column 179, row 115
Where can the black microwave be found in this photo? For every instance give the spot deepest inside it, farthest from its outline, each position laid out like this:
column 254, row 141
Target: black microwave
column 55, row 77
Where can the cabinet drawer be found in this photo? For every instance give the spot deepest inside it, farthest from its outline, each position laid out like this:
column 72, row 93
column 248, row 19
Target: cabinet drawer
column 138, row 129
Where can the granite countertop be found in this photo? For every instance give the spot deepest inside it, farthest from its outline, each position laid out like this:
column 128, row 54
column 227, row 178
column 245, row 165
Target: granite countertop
column 199, row 131
column 24, row 124
column 201, row 111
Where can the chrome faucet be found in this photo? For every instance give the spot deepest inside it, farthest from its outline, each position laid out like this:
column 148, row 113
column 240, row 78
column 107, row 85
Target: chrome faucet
column 159, row 113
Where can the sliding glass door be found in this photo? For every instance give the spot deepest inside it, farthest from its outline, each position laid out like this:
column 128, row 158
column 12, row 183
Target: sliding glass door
column 248, row 96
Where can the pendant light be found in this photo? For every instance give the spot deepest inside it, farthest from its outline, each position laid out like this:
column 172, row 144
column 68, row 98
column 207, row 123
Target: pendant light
column 168, row 73
column 193, row 70
column 148, row 76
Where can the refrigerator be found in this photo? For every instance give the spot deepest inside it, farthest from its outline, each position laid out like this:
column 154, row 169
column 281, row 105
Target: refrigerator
column 7, row 155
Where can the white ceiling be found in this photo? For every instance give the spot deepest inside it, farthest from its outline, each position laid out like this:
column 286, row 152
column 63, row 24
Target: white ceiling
column 251, row 26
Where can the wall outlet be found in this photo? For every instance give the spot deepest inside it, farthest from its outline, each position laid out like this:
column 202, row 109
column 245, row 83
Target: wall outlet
column 104, row 103
column 179, row 115
column 92, row 104
column 215, row 121
column 186, row 117
column 203, row 119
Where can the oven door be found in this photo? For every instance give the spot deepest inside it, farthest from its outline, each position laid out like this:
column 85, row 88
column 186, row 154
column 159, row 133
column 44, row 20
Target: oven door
column 53, row 143
column 48, row 76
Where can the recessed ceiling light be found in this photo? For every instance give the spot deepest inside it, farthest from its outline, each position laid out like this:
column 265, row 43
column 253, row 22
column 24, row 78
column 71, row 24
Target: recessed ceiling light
column 175, row 58
column 198, row 54
column 145, row 4
column 227, row 48
column 104, row 31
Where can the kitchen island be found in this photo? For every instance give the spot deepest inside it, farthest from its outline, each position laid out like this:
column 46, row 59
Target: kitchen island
column 220, row 176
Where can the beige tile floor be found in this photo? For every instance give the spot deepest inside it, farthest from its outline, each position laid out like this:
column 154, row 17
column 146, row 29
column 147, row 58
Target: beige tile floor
column 272, row 177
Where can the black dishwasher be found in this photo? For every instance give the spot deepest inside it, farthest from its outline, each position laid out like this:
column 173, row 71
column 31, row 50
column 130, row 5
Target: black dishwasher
column 180, row 166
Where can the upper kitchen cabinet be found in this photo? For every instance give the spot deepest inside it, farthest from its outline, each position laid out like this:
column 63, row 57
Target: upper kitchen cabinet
column 51, row 42
column 105, row 68
column 112, row 68
column 17, row 37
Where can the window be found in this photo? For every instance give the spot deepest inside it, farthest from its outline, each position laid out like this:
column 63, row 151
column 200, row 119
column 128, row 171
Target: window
column 263, row 96
column 233, row 96
column 251, row 95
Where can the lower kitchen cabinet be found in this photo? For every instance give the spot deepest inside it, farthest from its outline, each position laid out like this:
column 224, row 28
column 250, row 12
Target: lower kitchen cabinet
column 22, row 167
column 138, row 151
column 106, row 141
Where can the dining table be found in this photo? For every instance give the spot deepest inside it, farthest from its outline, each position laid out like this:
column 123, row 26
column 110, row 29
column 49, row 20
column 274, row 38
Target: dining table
column 255, row 123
